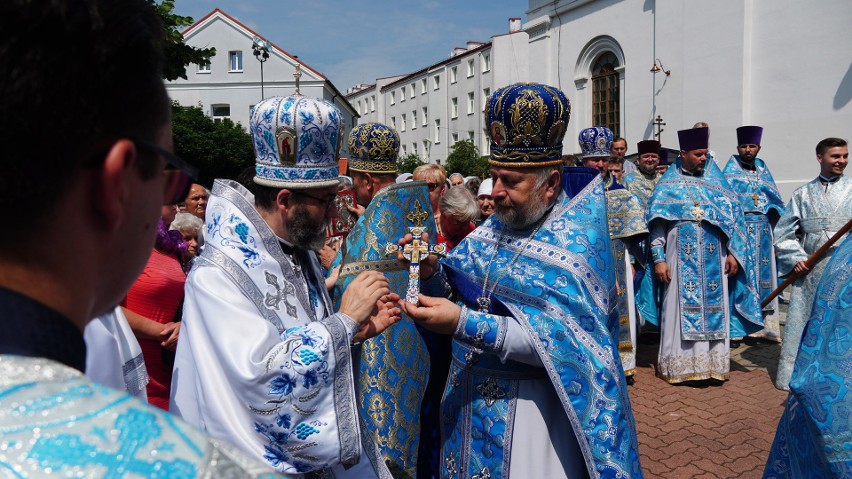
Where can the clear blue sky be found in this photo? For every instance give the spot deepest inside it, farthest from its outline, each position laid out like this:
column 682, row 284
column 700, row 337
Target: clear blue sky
column 357, row 41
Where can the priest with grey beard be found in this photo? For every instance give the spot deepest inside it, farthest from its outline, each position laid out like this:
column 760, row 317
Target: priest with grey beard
column 527, row 298
column 264, row 360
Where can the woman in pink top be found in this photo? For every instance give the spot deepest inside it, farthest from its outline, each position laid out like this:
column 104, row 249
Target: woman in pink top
column 153, row 307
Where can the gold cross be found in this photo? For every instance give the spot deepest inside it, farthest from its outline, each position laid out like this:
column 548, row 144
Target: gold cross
column 415, row 251
column 418, row 216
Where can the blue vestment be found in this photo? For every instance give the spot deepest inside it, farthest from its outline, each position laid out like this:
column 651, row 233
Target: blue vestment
column 558, row 284
column 394, row 366
column 762, row 204
column 685, row 202
column 627, row 229
column 648, row 289
column 814, row 437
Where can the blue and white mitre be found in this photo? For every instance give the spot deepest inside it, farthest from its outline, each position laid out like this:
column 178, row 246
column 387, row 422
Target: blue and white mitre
column 296, row 142
column 373, row 148
column 526, row 123
column 596, row 142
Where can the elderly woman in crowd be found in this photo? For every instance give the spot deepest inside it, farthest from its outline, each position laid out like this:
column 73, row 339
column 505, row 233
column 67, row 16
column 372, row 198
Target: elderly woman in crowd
column 458, row 210
column 188, row 226
column 435, row 177
column 154, row 303
column 484, row 200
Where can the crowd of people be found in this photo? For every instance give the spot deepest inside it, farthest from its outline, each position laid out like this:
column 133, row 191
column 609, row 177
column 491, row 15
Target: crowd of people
column 459, row 327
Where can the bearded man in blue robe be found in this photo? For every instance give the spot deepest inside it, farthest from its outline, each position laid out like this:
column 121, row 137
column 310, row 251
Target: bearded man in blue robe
column 535, row 360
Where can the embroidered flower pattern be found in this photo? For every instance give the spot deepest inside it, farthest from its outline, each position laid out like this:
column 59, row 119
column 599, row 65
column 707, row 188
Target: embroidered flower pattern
column 303, row 369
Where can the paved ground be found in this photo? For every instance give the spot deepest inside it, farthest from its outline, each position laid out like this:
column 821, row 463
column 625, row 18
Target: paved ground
column 708, row 432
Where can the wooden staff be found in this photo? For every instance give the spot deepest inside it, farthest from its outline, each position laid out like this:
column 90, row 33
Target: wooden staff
column 809, row 263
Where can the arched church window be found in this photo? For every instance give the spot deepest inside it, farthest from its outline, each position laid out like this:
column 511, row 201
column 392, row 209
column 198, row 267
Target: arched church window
column 606, row 109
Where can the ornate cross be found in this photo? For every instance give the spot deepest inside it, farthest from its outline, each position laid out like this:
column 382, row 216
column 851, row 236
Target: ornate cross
column 297, row 74
column 273, row 300
column 415, row 251
column 698, row 212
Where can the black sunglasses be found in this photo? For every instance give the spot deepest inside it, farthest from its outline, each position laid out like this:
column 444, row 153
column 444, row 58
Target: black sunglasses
column 179, row 173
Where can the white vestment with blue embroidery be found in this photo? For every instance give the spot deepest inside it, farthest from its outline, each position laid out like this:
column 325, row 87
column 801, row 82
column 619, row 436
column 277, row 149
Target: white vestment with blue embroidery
column 262, row 361
column 536, row 387
column 814, row 213
column 55, row 422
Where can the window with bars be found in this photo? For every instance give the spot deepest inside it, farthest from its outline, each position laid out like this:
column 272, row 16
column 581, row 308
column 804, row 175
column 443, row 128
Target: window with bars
column 606, row 107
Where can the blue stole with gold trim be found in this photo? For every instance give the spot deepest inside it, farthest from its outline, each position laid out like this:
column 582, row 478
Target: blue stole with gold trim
column 560, row 287
column 627, row 227
column 686, row 201
column 394, row 366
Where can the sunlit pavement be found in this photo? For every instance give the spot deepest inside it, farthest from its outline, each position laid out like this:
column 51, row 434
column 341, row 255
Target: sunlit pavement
column 709, row 431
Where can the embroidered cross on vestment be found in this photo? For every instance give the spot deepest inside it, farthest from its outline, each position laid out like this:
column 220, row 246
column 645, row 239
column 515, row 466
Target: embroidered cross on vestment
column 415, row 251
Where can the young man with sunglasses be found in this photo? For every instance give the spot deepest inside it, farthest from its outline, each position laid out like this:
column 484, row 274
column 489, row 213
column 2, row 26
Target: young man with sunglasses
column 84, row 120
column 264, row 359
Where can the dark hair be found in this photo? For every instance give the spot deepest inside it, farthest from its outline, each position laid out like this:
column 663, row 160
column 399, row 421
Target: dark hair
column 472, row 185
column 827, row 143
column 571, row 160
column 615, row 160
column 618, row 138
column 381, row 177
column 265, row 197
column 78, row 75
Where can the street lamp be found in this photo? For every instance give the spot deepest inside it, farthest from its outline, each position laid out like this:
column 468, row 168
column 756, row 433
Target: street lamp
column 260, row 49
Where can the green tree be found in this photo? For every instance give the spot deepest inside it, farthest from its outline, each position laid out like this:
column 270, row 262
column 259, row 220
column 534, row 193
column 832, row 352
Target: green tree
column 408, row 163
column 220, row 149
column 464, row 158
column 177, row 54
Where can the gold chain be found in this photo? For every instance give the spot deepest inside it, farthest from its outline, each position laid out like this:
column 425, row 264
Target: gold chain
column 483, row 301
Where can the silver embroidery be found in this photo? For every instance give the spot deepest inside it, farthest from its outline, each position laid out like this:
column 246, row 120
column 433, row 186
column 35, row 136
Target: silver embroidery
column 490, row 391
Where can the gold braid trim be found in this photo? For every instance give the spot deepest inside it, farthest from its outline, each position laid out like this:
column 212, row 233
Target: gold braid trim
column 357, row 267
column 538, row 164
column 367, row 166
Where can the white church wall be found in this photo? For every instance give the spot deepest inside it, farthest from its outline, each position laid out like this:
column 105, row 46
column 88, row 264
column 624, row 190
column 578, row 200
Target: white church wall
column 780, row 64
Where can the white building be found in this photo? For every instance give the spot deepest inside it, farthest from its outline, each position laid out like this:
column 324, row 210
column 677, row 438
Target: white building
column 230, row 84
column 443, row 102
column 780, row 64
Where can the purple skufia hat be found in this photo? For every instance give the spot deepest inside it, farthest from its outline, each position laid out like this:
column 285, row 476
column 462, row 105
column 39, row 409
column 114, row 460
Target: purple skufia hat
column 664, row 156
column 648, row 146
column 749, row 135
column 693, row 139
